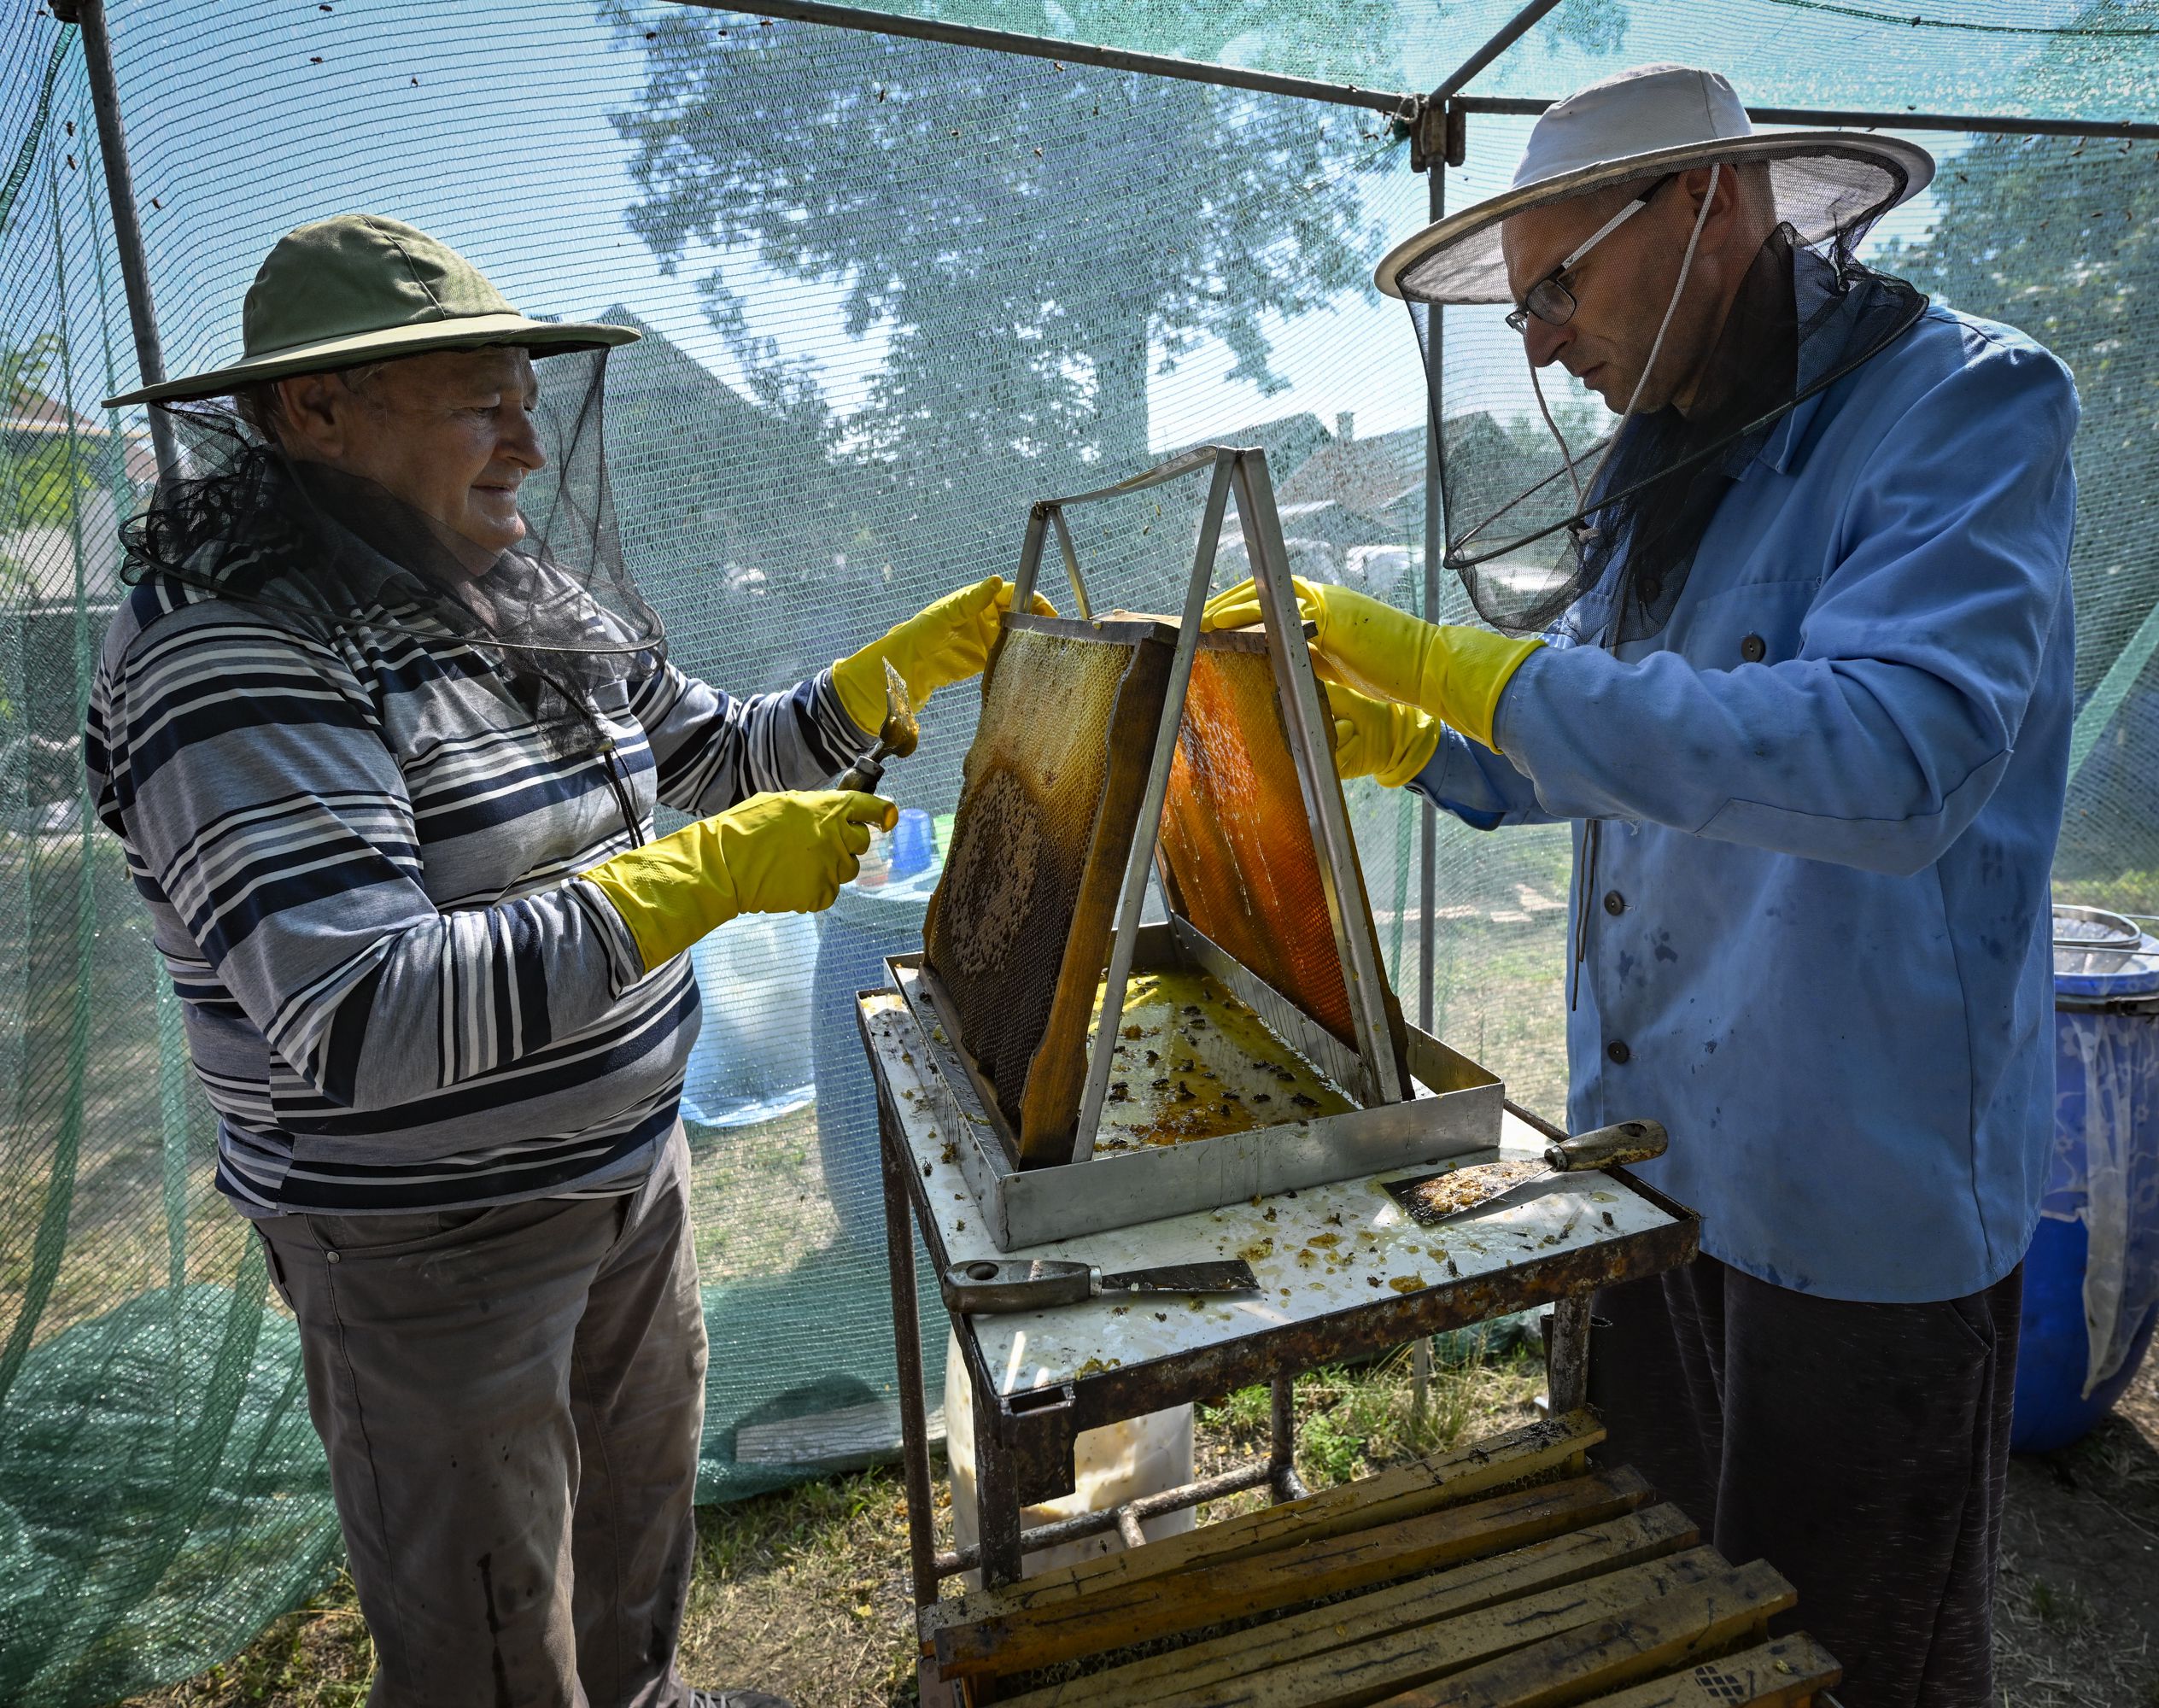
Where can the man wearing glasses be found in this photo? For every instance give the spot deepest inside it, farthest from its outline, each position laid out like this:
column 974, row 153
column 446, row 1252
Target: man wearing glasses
column 1548, row 298
column 1792, row 654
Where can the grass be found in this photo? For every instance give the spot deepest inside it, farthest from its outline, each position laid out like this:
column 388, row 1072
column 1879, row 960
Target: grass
column 1354, row 1422
column 320, row 1656
column 79, row 1055
column 2076, row 1613
column 2135, row 893
column 805, row 1592
column 804, row 1589
column 2065, row 1610
column 757, row 1198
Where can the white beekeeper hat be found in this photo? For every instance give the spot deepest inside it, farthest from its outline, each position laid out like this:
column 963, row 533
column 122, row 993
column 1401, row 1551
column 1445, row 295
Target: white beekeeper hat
column 1644, row 123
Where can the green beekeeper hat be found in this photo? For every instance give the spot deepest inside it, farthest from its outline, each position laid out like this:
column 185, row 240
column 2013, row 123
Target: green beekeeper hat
column 360, row 288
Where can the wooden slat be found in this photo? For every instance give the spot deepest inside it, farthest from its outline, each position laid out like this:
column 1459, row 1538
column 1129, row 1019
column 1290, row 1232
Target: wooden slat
column 1654, row 1532
column 1677, row 1631
column 1432, row 1484
column 1118, row 1614
column 1084, row 829
column 850, row 1439
column 1369, row 1671
column 937, row 1692
column 1551, row 1563
column 1777, row 1675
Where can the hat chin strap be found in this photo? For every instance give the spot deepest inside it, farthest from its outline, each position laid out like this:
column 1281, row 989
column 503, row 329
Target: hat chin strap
column 1656, row 348
column 1586, row 867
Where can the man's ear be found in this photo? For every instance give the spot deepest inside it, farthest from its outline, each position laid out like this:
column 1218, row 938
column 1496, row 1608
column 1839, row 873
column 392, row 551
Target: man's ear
column 316, row 415
column 1695, row 184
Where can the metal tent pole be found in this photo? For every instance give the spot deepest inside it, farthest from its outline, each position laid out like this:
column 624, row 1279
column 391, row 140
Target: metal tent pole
column 1435, row 550
column 1400, row 106
column 89, row 16
column 1508, row 33
column 1070, row 52
column 1420, row 1352
column 1848, row 118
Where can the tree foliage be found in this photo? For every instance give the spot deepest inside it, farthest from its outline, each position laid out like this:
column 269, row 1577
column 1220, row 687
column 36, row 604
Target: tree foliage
column 1022, row 244
column 2059, row 236
column 1034, row 238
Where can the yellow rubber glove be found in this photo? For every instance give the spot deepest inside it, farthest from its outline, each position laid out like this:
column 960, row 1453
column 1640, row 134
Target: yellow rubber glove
column 1379, row 737
column 943, row 643
column 1456, row 674
column 777, row 853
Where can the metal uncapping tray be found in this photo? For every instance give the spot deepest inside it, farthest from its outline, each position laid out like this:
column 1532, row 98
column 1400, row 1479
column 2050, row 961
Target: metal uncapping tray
column 1455, row 1111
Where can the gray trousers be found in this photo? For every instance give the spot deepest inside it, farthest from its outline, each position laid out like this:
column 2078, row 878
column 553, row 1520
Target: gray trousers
column 513, row 1400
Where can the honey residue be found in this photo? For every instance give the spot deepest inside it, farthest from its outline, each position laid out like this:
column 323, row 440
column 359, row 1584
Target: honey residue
column 1238, row 838
column 1192, row 1062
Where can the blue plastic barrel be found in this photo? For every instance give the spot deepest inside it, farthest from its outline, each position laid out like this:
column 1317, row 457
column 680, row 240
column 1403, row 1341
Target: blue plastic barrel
column 2094, row 1261
column 861, row 928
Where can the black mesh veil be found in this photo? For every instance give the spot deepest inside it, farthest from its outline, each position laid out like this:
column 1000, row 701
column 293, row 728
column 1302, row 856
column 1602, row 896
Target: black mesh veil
column 556, row 615
column 1537, row 528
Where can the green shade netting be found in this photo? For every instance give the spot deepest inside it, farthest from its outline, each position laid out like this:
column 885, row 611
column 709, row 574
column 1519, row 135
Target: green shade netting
column 893, row 291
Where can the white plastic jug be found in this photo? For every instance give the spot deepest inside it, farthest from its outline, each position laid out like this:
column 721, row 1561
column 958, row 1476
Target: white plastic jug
column 1112, row 1464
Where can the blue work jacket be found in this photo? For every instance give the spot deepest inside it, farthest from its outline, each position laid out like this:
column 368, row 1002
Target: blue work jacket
column 1830, row 788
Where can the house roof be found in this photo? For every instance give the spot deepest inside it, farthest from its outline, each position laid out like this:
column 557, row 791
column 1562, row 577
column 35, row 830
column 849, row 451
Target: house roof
column 1288, row 441
column 668, row 410
column 1372, row 477
column 655, row 365
column 1366, row 476
column 32, row 413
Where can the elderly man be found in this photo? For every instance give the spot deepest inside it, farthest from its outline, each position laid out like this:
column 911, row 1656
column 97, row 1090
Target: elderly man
column 1805, row 695
column 381, row 728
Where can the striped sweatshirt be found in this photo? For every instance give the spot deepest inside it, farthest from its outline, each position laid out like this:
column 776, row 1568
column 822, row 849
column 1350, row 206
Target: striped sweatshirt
column 361, row 863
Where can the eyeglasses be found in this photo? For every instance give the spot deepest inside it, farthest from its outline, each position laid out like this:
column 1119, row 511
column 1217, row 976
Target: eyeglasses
column 1551, row 301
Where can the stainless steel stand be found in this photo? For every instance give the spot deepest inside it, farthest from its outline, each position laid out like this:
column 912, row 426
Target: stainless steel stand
column 1559, row 1244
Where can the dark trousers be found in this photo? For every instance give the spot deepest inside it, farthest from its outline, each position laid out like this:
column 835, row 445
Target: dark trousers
column 1860, row 1449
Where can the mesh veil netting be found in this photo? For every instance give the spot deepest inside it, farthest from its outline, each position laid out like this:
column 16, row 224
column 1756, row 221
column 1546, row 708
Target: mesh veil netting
column 557, row 615
column 1531, row 551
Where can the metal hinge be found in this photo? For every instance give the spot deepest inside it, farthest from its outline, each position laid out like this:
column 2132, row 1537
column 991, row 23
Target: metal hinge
column 1436, row 129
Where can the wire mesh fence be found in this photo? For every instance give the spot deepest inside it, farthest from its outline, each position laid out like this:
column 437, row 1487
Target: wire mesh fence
column 892, row 292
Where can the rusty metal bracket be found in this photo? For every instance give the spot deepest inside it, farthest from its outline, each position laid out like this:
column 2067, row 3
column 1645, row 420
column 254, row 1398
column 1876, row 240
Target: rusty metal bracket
column 1438, row 127
column 1039, row 1430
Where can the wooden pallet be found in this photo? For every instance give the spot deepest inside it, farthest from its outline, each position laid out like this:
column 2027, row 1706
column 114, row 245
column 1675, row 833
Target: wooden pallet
column 1501, row 1575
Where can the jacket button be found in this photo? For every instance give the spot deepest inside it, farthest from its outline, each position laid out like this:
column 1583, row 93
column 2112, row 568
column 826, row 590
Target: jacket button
column 1753, row 649
column 1614, row 902
column 1618, row 1050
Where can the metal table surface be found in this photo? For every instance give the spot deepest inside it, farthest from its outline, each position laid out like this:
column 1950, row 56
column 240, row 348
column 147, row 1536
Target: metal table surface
column 1345, row 1274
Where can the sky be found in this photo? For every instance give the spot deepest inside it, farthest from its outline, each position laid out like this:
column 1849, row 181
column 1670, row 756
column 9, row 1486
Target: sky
column 486, row 122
